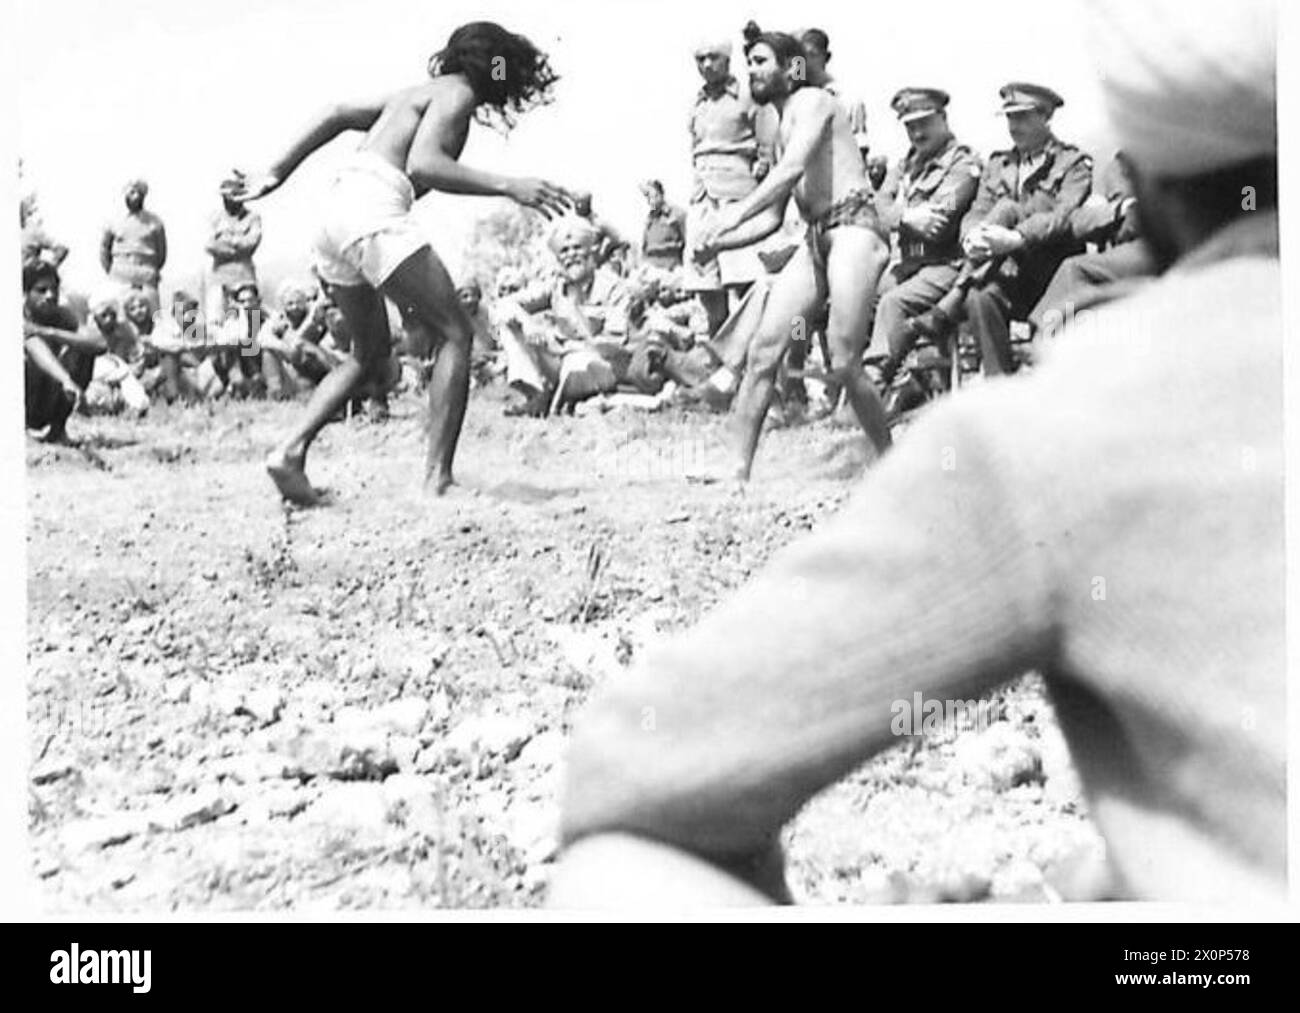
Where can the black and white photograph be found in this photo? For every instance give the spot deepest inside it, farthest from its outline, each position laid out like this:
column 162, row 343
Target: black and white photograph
column 647, row 459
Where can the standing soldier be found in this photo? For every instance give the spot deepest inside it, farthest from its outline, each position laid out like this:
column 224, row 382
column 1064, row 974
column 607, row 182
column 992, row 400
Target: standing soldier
column 725, row 154
column 234, row 234
column 1020, row 221
column 133, row 249
column 664, row 238
column 923, row 200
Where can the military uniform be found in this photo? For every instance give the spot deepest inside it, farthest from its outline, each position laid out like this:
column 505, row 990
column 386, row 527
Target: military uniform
column 1040, row 191
column 926, row 268
column 1109, row 219
column 724, row 148
column 664, row 238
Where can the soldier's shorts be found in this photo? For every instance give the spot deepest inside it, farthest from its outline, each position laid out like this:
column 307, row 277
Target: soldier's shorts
column 368, row 231
column 729, row 267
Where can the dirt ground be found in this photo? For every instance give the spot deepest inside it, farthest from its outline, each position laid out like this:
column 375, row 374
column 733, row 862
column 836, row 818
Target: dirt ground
column 238, row 706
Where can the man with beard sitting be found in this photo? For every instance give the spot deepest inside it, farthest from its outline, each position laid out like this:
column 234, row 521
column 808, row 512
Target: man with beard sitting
column 557, row 335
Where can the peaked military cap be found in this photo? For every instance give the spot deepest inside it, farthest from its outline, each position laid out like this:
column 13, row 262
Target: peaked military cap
column 1019, row 97
column 917, row 103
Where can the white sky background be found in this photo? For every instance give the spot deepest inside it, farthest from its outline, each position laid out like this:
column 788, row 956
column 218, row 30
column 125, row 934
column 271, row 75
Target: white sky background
column 180, row 92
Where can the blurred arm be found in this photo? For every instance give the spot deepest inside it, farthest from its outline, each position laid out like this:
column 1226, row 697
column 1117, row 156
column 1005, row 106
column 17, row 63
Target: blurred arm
column 721, row 736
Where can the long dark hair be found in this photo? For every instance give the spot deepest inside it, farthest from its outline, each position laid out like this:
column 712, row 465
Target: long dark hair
column 507, row 72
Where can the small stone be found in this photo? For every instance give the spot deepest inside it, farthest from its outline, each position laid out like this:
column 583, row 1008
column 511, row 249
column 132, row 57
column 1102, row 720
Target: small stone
column 282, row 802
column 101, row 831
column 51, row 769
column 364, row 670
column 403, row 717
column 176, row 690
column 228, row 698
column 252, row 768
column 405, row 750
column 191, row 811
column 264, row 705
column 428, row 759
column 964, row 887
column 1001, row 757
column 495, row 735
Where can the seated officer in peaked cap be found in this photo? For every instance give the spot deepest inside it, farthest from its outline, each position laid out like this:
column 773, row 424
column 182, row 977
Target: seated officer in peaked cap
column 1038, row 183
column 923, row 200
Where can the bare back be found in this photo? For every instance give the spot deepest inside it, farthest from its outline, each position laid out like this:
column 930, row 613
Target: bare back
column 437, row 112
column 835, row 169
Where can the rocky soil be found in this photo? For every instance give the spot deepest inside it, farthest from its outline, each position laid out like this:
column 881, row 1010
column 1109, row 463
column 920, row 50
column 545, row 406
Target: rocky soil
column 238, row 706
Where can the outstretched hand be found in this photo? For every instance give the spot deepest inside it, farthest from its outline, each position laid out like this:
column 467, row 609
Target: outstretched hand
column 548, row 198
column 242, row 187
column 712, row 230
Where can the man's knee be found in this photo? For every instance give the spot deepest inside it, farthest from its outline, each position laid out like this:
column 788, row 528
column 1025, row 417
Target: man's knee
column 892, row 314
column 845, row 350
column 766, row 351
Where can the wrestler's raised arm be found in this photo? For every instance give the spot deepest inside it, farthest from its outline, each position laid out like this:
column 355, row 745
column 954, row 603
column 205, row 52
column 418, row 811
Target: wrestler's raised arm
column 432, row 163
column 322, row 129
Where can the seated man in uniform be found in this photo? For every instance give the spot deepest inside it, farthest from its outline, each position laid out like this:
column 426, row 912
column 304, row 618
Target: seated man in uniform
column 923, row 200
column 1109, row 219
column 1044, row 181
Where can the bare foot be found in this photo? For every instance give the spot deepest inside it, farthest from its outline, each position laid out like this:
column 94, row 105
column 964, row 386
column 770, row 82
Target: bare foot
column 289, row 477
column 440, row 483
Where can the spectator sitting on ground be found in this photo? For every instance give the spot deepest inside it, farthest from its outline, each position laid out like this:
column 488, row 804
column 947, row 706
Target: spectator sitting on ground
column 290, row 340
column 237, row 356
column 114, row 384
column 484, row 345
column 57, row 358
column 550, row 331
column 141, row 316
column 672, row 335
column 178, row 340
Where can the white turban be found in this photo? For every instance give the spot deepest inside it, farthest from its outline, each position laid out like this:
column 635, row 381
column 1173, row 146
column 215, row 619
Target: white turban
column 1188, row 93
column 572, row 227
column 104, row 299
column 293, row 287
column 709, row 47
